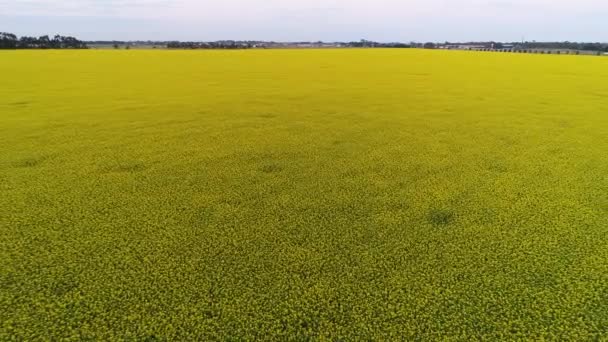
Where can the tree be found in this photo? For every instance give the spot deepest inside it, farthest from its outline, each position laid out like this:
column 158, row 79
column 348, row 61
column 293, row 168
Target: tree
column 8, row 40
column 56, row 42
column 27, row 43
column 592, row 46
column 429, row 45
column 44, row 42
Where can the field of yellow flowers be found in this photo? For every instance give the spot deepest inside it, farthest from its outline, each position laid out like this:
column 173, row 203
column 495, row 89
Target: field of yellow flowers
column 303, row 194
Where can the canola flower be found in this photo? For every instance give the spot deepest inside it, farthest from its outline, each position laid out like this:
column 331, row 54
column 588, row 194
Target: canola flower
column 293, row 195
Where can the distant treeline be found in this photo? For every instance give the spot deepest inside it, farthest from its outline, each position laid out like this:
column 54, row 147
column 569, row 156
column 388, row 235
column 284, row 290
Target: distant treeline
column 11, row 41
column 231, row 44
column 603, row 47
column 579, row 46
column 582, row 46
column 367, row 43
column 211, row 45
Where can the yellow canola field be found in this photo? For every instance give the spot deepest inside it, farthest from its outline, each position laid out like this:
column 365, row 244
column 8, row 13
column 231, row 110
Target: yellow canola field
column 370, row 194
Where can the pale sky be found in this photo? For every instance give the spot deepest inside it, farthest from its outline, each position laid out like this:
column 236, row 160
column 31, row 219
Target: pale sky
column 328, row 20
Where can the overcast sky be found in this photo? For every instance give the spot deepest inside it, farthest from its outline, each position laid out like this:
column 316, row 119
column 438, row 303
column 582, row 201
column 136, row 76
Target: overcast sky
column 289, row 20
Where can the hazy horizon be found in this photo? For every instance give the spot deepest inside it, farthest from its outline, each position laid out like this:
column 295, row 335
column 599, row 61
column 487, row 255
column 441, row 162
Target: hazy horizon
column 312, row 20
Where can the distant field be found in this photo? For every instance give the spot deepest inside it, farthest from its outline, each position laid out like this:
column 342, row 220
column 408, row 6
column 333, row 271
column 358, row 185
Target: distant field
column 325, row 194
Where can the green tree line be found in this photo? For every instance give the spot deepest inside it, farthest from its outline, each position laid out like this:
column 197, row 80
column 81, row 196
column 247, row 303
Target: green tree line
column 11, row 41
column 567, row 45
